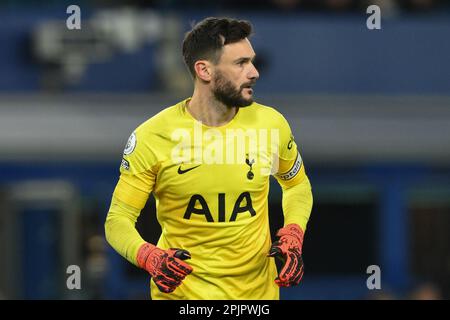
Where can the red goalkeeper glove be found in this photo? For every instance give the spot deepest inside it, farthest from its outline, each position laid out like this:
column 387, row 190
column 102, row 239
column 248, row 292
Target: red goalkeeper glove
column 289, row 249
column 165, row 266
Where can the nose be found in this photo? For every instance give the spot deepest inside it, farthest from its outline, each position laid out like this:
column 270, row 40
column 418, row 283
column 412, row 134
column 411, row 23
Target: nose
column 253, row 73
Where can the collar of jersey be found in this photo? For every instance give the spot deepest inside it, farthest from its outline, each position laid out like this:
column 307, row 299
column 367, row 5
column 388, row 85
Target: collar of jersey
column 189, row 116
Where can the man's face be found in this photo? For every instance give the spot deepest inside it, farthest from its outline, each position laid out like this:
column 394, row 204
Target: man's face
column 235, row 75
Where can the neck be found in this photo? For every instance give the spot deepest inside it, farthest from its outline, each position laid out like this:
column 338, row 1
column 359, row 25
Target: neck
column 205, row 108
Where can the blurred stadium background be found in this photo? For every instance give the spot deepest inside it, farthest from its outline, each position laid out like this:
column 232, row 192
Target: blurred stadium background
column 370, row 111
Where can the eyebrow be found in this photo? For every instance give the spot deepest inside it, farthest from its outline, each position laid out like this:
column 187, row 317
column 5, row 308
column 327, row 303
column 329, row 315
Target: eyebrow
column 245, row 59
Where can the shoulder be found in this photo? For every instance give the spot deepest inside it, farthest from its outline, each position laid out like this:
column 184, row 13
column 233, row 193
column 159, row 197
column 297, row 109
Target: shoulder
column 160, row 121
column 152, row 135
column 270, row 115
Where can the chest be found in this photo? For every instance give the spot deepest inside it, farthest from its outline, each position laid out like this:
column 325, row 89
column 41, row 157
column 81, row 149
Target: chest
column 214, row 162
column 193, row 177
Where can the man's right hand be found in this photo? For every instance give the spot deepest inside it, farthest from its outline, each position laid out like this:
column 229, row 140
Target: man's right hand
column 166, row 267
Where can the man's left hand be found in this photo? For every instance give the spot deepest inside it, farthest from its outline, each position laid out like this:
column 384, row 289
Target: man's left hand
column 289, row 249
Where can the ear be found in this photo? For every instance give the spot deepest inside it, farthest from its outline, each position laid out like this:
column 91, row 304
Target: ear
column 203, row 70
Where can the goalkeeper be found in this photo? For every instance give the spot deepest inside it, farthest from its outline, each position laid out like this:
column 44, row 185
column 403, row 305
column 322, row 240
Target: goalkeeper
column 207, row 161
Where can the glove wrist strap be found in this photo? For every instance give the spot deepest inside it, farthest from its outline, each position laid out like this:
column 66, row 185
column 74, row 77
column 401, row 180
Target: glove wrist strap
column 143, row 253
column 292, row 230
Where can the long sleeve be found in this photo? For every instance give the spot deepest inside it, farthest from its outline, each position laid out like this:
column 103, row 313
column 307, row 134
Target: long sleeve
column 120, row 229
column 297, row 203
column 129, row 198
column 137, row 178
column 297, row 196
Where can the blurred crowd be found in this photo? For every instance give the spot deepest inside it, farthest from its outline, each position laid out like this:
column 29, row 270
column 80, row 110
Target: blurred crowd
column 313, row 5
column 421, row 291
column 281, row 5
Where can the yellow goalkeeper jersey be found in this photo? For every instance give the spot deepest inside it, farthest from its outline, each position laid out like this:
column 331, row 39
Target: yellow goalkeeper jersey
column 211, row 187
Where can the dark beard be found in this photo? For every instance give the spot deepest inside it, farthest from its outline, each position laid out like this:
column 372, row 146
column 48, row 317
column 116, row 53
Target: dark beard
column 226, row 93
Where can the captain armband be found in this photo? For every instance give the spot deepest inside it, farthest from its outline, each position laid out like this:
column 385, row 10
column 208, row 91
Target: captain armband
column 295, row 169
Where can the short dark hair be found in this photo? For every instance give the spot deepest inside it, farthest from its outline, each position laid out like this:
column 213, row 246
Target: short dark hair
column 207, row 38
